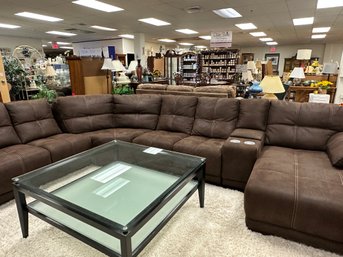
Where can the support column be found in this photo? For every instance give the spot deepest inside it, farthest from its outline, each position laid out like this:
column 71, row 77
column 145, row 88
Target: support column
column 139, row 46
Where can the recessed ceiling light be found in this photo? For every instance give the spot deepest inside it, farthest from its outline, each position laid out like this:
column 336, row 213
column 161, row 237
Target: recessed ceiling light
column 321, row 30
column 98, row 5
column 61, row 43
column 303, row 21
column 317, row 36
column 329, row 4
column 66, row 47
column 246, row 26
column 227, row 13
column 155, row 22
column 272, row 43
column 8, row 26
column 258, row 34
column 102, row 28
column 186, row 44
column 67, row 34
column 127, row 36
column 37, row 16
column 186, row 31
column 265, row 39
column 166, row 40
column 205, row 37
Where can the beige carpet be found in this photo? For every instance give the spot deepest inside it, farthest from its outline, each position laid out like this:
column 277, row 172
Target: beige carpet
column 215, row 231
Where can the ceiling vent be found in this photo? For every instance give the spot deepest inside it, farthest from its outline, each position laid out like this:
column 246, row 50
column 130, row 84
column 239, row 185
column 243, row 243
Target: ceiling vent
column 193, row 9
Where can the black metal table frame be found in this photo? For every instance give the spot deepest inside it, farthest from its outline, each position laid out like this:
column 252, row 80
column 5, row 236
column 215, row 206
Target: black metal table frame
column 109, row 227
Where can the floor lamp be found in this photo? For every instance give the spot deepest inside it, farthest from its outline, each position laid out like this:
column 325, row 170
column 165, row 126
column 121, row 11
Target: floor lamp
column 330, row 68
column 108, row 66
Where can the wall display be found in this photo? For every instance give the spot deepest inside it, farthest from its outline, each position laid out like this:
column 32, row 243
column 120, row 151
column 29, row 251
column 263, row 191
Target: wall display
column 221, row 39
column 190, row 67
column 274, row 58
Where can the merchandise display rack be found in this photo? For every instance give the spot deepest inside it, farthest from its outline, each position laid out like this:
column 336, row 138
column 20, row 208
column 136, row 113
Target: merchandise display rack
column 190, row 67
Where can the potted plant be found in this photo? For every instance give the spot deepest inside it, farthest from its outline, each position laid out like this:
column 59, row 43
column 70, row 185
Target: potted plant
column 44, row 92
column 15, row 76
column 324, row 86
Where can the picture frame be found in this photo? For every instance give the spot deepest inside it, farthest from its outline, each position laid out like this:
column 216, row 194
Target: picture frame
column 247, row 57
column 274, row 58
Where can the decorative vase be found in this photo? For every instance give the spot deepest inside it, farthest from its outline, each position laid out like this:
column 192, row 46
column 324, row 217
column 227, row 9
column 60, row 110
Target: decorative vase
column 255, row 88
column 139, row 70
column 323, row 91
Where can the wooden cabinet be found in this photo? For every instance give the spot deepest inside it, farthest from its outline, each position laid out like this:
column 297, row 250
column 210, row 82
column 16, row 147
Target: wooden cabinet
column 290, row 63
column 86, row 76
column 220, row 64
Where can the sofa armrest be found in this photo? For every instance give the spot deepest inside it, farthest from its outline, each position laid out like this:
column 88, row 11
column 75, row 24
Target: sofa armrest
column 335, row 149
column 239, row 154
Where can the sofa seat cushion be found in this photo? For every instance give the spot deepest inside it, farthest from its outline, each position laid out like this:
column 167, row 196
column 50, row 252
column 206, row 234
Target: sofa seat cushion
column 19, row 159
column 160, row 138
column 298, row 190
column 63, row 145
column 32, row 119
column 210, row 148
column 125, row 134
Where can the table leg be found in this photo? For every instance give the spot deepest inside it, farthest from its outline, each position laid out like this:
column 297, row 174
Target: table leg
column 22, row 212
column 201, row 187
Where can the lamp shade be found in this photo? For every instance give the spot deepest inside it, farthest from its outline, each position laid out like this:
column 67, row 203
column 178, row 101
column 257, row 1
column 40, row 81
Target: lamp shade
column 247, row 76
column 132, row 66
column 251, row 65
column 107, row 65
column 297, row 73
column 258, row 65
column 50, row 71
column 304, row 54
column 272, row 84
column 117, row 65
column 330, row 68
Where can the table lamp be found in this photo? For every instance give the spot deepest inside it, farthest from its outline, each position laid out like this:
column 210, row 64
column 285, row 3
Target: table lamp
column 108, row 66
column 271, row 85
column 132, row 66
column 330, row 68
column 251, row 66
column 297, row 74
column 118, row 67
column 304, row 54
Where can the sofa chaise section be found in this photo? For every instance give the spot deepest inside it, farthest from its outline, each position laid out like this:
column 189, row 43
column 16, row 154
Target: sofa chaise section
column 16, row 158
column 294, row 190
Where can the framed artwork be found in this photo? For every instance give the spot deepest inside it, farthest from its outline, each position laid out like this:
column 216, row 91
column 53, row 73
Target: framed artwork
column 274, row 58
column 247, row 57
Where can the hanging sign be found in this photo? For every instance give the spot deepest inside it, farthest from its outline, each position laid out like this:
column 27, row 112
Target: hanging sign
column 221, row 39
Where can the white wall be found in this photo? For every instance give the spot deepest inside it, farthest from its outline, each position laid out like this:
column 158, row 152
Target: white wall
column 13, row 42
column 285, row 52
column 339, row 83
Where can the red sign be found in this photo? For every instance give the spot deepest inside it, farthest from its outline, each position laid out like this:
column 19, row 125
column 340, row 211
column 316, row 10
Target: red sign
column 54, row 45
column 272, row 49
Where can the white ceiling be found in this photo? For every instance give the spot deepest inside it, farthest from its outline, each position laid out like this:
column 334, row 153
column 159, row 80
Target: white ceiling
column 274, row 17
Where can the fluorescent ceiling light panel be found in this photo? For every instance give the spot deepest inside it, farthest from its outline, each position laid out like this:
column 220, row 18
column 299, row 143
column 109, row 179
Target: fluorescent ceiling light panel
column 129, row 36
column 98, row 5
column 329, row 3
column 102, row 28
column 186, row 44
column 155, row 22
column 245, row 26
column 8, row 26
column 303, row 21
column 227, row 13
column 265, row 39
column 317, row 36
column 321, row 30
column 166, row 40
column 272, row 43
column 66, row 47
column 44, row 46
column 205, row 37
column 201, row 47
column 67, row 34
column 258, row 34
column 37, row 16
column 61, row 43
column 186, row 31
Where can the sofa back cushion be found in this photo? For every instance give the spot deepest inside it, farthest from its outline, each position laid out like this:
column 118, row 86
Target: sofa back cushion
column 32, row 119
column 177, row 113
column 78, row 114
column 215, row 117
column 136, row 111
column 253, row 114
column 303, row 125
column 8, row 136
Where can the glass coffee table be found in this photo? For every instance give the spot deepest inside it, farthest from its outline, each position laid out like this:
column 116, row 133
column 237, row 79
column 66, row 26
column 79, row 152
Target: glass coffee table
column 114, row 197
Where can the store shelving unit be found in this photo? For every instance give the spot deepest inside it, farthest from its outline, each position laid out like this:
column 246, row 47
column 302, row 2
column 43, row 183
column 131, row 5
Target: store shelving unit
column 220, row 64
column 190, row 67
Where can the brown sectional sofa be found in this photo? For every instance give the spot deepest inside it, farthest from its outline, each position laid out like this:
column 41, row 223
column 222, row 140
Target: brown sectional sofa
column 210, row 91
column 288, row 157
